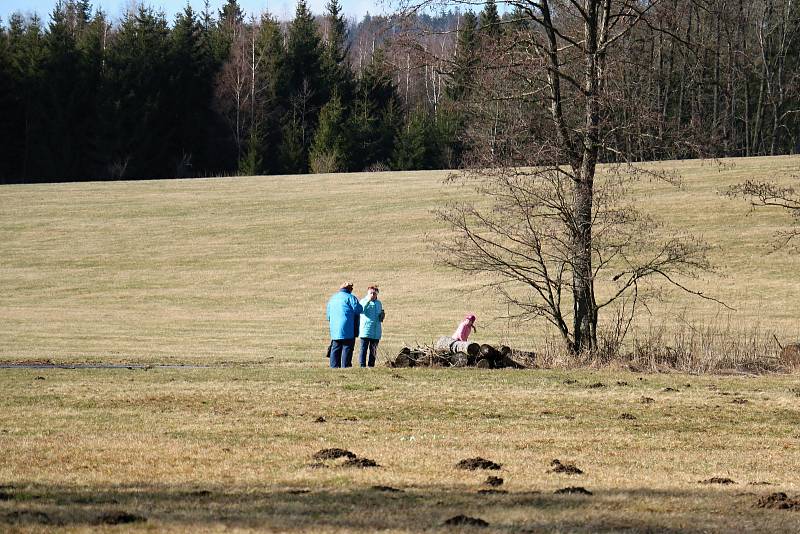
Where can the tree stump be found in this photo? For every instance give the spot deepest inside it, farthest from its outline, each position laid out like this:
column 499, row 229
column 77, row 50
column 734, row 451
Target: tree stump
column 483, row 363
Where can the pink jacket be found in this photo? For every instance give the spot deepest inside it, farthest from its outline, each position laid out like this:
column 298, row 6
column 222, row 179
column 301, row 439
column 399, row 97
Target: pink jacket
column 463, row 331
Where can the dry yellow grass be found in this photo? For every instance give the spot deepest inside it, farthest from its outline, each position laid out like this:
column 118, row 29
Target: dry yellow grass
column 209, row 449
column 234, row 274
column 239, row 269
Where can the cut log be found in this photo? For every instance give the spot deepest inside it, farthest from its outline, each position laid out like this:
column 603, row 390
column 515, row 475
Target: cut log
column 460, row 359
column 483, row 363
column 453, row 346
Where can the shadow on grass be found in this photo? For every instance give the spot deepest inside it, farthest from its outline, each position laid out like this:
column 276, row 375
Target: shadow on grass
column 356, row 509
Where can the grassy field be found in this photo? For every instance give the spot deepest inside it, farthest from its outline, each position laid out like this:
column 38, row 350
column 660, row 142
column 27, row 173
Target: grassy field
column 236, row 270
column 232, row 448
column 232, row 275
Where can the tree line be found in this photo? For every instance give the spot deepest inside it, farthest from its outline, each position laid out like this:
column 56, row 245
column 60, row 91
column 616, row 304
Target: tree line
column 219, row 94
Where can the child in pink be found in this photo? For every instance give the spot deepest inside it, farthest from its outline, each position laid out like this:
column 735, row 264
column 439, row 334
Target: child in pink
column 465, row 328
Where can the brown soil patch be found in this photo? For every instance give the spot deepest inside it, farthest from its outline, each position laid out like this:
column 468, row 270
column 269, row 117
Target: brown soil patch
column 333, row 454
column 567, row 469
column 119, row 517
column 477, row 463
column 387, row 489
column 493, row 481
column 718, row 480
column 360, row 463
column 464, row 520
column 492, row 491
column 779, row 501
column 573, row 490
column 628, row 417
column 647, row 400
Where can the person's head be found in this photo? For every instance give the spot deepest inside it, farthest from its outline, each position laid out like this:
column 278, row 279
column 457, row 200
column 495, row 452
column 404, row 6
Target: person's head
column 347, row 286
column 372, row 292
column 470, row 318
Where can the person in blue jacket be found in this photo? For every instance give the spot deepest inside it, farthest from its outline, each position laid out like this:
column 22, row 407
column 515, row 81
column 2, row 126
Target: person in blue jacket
column 343, row 310
column 370, row 329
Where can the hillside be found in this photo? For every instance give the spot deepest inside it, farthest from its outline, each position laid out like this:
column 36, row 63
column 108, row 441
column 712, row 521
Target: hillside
column 239, row 269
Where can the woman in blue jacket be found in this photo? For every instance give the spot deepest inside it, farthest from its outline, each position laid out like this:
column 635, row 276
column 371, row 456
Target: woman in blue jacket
column 342, row 313
column 370, row 327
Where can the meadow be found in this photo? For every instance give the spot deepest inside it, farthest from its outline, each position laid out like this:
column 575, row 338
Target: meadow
column 213, row 292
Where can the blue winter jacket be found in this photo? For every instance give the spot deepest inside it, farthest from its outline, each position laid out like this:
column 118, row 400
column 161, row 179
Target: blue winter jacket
column 343, row 310
column 370, row 319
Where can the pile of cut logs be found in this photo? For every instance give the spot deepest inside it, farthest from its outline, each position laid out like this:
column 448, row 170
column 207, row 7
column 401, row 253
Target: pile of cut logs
column 447, row 352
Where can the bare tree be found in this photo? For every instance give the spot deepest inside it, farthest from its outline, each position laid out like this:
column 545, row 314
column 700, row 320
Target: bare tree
column 542, row 116
column 770, row 194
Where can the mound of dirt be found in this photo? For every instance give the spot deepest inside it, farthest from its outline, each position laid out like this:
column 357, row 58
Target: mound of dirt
column 628, row 416
column 119, row 517
column 493, row 481
column 360, row 463
column 718, row 480
column 333, row 454
column 779, row 501
column 477, row 463
column 567, row 469
column 465, row 520
column 387, row 489
column 578, row 490
column 647, row 400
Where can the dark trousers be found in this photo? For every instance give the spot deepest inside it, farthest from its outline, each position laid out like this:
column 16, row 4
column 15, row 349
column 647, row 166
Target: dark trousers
column 342, row 352
column 371, row 345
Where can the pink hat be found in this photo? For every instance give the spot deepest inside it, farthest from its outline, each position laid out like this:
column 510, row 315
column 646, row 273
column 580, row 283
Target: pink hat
column 471, row 317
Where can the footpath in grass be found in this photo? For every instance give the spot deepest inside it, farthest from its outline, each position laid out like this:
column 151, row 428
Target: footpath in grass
column 212, row 449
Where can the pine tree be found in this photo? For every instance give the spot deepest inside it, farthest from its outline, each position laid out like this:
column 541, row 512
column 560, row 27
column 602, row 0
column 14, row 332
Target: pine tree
column 466, row 58
column 376, row 115
column 272, row 81
column 490, row 20
column 139, row 131
column 337, row 71
column 330, row 148
column 418, row 145
column 191, row 90
column 307, row 89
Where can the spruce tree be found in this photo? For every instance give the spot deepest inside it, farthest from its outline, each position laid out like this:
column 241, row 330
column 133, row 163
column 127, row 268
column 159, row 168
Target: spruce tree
column 272, row 102
column 330, row 148
column 490, row 20
column 466, row 58
column 375, row 116
column 306, row 88
column 337, row 71
column 139, row 137
column 192, row 70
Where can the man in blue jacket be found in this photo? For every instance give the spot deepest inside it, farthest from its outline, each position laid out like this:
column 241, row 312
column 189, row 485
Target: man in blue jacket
column 343, row 310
